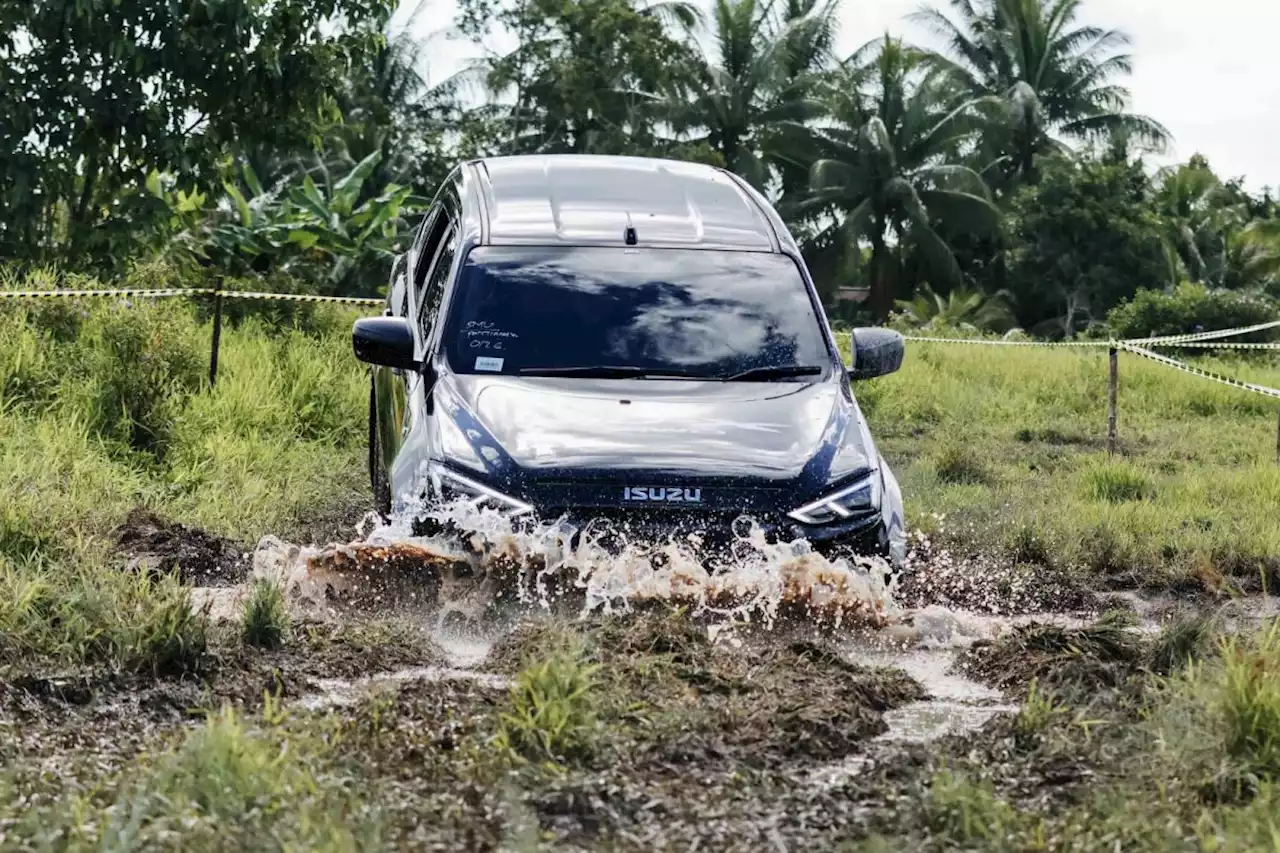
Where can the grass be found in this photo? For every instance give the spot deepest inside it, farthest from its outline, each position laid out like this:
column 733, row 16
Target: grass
column 227, row 786
column 265, row 622
column 1124, row 741
column 105, row 407
column 551, row 713
column 989, row 443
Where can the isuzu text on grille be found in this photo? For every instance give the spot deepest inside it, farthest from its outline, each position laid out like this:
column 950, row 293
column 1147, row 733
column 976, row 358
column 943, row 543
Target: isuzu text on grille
column 671, row 495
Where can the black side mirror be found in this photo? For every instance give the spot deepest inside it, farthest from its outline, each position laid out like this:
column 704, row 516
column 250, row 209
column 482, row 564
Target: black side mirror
column 876, row 352
column 385, row 341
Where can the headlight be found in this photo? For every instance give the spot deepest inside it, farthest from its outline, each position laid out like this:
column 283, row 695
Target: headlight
column 450, row 486
column 860, row 498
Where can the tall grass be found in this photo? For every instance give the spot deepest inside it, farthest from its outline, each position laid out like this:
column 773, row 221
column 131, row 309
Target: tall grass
column 104, row 406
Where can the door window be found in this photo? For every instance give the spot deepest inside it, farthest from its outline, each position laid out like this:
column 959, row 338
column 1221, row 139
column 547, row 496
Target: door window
column 429, row 307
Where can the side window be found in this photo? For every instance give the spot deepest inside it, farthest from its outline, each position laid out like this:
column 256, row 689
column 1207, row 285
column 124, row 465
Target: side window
column 429, row 307
column 424, row 248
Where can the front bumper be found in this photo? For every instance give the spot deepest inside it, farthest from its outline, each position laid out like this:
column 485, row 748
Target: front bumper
column 710, row 533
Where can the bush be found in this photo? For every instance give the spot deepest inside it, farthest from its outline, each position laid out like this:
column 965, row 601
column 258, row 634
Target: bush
column 132, row 370
column 1190, row 308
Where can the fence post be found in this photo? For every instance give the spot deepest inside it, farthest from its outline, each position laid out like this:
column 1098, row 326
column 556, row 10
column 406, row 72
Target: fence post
column 1278, row 438
column 1112, row 386
column 217, row 335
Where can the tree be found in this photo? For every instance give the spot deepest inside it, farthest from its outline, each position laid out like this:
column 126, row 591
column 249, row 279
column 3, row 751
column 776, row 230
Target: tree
column 884, row 170
column 583, row 75
column 97, row 94
column 1081, row 241
column 763, row 72
column 1053, row 81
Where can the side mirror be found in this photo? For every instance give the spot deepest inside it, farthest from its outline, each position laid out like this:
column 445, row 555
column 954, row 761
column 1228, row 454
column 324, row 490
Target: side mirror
column 385, row 341
column 876, row 352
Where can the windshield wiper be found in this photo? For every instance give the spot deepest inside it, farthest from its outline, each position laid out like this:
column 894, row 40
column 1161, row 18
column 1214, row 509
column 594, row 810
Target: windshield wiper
column 764, row 374
column 604, row 371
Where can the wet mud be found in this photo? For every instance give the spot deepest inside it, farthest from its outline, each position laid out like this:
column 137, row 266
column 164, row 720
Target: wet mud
column 796, row 705
column 147, row 542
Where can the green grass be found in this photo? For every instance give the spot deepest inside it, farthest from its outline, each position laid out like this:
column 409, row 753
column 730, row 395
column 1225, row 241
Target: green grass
column 105, row 407
column 551, row 713
column 998, row 442
column 227, row 786
column 265, row 622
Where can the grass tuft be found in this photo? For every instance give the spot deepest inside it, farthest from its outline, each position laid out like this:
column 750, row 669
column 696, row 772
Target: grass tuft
column 551, row 712
column 1118, row 482
column 956, row 464
column 265, row 622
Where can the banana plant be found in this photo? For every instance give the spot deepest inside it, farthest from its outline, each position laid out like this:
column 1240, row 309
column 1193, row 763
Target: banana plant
column 314, row 231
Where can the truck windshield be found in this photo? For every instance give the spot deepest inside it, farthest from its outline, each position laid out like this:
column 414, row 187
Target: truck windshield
column 678, row 312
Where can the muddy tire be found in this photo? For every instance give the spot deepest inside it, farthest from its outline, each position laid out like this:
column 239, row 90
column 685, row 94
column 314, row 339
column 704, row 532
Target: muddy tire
column 377, row 478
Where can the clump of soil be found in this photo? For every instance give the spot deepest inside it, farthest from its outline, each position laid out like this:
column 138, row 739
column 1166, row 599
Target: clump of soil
column 750, row 701
column 1103, row 655
column 150, row 543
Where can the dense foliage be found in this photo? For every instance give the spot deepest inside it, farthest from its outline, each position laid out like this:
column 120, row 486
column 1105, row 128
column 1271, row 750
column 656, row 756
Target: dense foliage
column 997, row 160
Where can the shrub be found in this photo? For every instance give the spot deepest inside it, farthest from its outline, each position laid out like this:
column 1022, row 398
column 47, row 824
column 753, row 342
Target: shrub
column 1192, row 307
column 132, row 370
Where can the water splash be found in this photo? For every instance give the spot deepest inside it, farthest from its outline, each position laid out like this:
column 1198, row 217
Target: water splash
column 486, row 557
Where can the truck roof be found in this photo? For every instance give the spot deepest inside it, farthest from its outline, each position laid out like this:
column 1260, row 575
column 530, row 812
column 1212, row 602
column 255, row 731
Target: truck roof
column 584, row 199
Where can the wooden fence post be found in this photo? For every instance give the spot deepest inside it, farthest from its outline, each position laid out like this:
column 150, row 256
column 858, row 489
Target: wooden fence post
column 217, row 335
column 1112, row 387
column 1278, row 438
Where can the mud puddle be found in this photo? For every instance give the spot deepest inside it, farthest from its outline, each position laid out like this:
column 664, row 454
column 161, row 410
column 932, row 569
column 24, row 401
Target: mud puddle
column 340, row 692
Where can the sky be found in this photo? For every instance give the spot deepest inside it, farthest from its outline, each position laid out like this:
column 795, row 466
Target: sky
column 1201, row 69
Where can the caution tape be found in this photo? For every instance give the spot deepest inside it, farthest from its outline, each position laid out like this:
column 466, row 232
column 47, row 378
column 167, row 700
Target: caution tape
column 1002, row 343
column 1217, row 345
column 1196, row 371
column 39, row 294
column 185, row 291
column 1205, row 336
column 299, row 297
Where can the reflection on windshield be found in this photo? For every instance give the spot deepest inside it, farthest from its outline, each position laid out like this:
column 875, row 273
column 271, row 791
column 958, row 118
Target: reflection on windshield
column 710, row 312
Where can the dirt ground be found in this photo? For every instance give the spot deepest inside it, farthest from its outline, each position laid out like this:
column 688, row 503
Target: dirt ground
column 693, row 735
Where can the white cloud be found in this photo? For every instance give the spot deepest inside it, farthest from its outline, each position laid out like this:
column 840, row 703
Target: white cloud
column 1203, row 71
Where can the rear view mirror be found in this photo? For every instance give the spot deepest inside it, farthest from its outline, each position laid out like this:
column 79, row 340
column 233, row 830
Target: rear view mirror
column 384, row 341
column 876, row 352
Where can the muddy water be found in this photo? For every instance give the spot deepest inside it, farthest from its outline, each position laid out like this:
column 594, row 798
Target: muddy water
column 386, row 567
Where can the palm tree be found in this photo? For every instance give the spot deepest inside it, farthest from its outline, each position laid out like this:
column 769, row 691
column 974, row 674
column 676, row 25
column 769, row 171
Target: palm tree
column 1053, row 80
column 963, row 308
column 760, row 74
column 885, row 169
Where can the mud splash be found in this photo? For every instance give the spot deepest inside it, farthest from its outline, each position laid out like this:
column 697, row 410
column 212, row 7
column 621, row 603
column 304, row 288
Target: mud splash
column 473, row 574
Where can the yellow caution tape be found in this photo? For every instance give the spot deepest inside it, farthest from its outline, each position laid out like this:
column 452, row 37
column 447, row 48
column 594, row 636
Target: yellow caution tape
column 300, row 297
column 186, row 291
column 38, row 294
column 1204, row 336
column 1196, row 371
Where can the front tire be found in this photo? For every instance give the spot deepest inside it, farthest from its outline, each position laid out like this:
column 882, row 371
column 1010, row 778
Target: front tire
column 377, row 477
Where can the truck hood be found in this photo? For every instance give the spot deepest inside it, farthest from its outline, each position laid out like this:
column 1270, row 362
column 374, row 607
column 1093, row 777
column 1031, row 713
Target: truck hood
column 768, row 430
